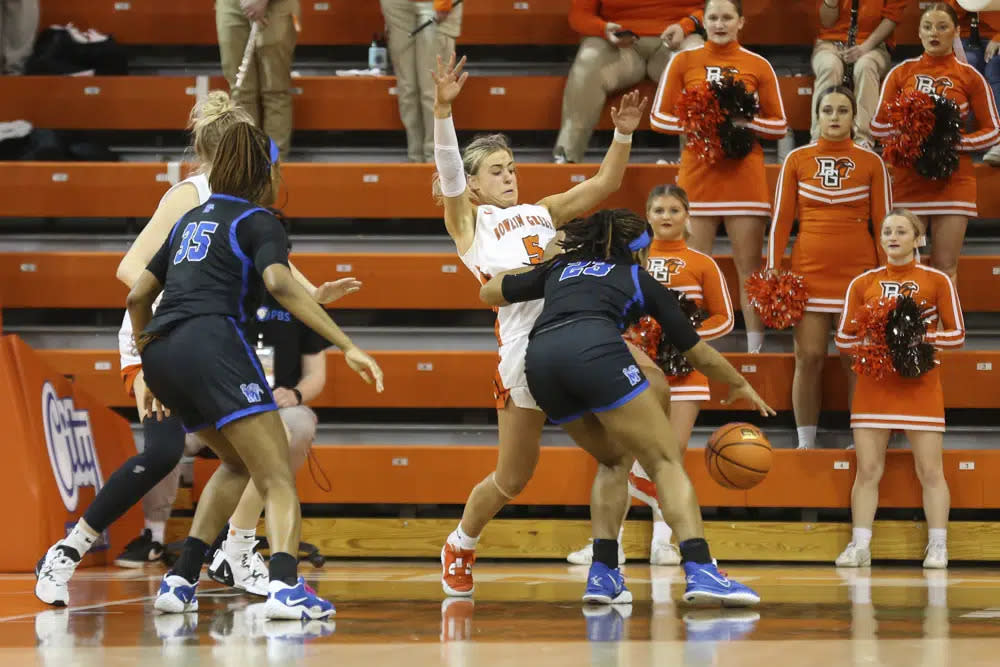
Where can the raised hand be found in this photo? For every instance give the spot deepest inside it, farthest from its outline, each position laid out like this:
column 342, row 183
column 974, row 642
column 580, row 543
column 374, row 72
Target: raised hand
column 629, row 113
column 448, row 80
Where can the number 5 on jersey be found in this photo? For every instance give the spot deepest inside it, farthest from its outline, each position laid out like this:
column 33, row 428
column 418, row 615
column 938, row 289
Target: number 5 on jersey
column 535, row 251
column 195, row 241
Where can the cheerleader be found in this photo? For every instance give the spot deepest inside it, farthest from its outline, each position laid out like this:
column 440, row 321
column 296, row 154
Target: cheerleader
column 698, row 277
column 913, row 405
column 833, row 187
column 945, row 205
column 734, row 190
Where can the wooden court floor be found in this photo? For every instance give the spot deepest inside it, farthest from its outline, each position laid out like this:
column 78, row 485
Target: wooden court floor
column 524, row 614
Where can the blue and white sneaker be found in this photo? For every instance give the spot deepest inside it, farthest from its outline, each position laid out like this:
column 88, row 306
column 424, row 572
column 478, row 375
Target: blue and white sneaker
column 295, row 602
column 177, row 595
column 606, row 586
column 706, row 584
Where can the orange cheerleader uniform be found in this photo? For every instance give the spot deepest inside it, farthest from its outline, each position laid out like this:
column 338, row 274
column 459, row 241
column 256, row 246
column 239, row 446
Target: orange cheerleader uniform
column 699, row 278
column 833, row 189
column 961, row 83
column 896, row 402
column 727, row 187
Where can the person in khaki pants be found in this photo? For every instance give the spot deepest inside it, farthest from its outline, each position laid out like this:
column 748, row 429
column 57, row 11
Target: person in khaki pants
column 18, row 25
column 266, row 91
column 610, row 59
column 869, row 56
column 413, row 60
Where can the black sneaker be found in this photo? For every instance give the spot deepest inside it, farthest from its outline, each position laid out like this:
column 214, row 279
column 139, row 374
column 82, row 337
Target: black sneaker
column 140, row 551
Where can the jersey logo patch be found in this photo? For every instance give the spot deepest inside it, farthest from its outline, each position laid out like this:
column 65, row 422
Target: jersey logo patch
column 892, row 290
column 932, row 86
column 832, row 172
column 715, row 74
column 265, row 314
column 664, row 268
column 633, row 374
column 252, row 392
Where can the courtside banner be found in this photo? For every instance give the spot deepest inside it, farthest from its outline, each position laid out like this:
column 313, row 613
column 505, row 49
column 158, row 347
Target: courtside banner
column 63, row 447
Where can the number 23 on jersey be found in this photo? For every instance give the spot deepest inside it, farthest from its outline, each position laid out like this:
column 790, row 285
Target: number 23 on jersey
column 596, row 269
column 195, row 241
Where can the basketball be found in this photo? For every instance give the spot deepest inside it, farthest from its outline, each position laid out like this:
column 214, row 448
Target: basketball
column 738, row 455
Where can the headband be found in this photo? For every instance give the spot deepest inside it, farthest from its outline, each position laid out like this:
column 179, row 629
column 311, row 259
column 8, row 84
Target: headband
column 641, row 242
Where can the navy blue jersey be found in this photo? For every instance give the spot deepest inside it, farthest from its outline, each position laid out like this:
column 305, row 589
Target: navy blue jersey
column 619, row 293
column 212, row 262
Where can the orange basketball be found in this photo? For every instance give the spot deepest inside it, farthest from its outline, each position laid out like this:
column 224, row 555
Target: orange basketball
column 738, row 455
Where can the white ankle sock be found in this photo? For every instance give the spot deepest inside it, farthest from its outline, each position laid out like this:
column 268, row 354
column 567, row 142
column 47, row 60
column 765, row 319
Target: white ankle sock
column 459, row 539
column 158, row 529
column 807, row 436
column 937, row 535
column 661, row 532
column 862, row 537
column 755, row 341
column 239, row 540
column 80, row 538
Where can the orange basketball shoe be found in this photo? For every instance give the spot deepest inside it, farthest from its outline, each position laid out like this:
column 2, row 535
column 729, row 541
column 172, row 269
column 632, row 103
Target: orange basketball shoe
column 456, row 570
column 641, row 487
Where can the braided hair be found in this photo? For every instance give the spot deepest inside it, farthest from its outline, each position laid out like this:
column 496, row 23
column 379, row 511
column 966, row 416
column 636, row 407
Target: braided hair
column 602, row 236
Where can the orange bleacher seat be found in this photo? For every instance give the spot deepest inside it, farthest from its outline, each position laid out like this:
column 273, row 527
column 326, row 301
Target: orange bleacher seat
column 435, row 281
column 351, row 22
column 463, row 379
column 377, row 191
column 373, row 473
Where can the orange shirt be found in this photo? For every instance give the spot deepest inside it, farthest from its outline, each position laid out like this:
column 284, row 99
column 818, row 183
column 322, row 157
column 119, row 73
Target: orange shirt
column 836, row 186
column 710, row 62
column 930, row 288
column 943, row 75
column 870, row 15
column 698, row 277
column 646, row 18
column 989, row 22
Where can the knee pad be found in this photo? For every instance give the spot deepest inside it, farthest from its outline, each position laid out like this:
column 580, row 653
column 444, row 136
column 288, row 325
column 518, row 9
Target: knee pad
column 164, row 443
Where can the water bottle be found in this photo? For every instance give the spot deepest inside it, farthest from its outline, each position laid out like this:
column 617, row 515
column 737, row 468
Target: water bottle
column 377, row 57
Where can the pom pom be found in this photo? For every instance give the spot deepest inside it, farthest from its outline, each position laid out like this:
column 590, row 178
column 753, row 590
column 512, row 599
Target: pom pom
column 646, row 336
column 707, row 113
column 778, row 297
column 905, row 330
column 928, row 134
column 671, row 360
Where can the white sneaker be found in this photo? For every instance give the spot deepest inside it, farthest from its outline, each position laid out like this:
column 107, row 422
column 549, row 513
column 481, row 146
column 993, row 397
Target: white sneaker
column 53, row 573
column 805, row 445
column 248, row 572
column 664, row 553
column 936, row 556
column 585, row 555
column 992, row 157
column 15, row 129
column 854, row 556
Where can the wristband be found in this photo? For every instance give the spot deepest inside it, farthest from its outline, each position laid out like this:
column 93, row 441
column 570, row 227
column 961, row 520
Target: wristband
column 622, row 138
column 298, row 394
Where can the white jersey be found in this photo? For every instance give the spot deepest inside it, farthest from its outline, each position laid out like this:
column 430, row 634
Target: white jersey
column 126, row 341
column 510, row 238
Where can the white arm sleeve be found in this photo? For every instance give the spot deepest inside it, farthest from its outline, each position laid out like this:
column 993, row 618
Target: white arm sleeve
column 448, row 158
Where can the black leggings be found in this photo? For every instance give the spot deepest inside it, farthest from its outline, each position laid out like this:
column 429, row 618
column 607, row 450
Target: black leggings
column 127, row 485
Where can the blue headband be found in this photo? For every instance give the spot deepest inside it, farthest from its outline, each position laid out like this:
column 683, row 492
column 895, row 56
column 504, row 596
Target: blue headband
column 273, row 151
column 641, row 242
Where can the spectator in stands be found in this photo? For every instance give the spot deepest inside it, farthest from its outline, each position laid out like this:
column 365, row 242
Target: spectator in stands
column 730, row 189
column 912, row 404
column 624, row 41
column 976, row 27
column 414, row 59
column 266, row 92
column 834, row 189
column 18, row 25
column 945, row 203
column 867, row 55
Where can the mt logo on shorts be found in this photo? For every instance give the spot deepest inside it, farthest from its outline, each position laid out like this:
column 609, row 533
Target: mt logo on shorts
column 252, row 391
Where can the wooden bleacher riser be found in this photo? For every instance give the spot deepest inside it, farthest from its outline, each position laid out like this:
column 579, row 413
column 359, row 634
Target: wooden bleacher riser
column 351, row 22
column 370, row 191
column 434, row 280
column 463, row 379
